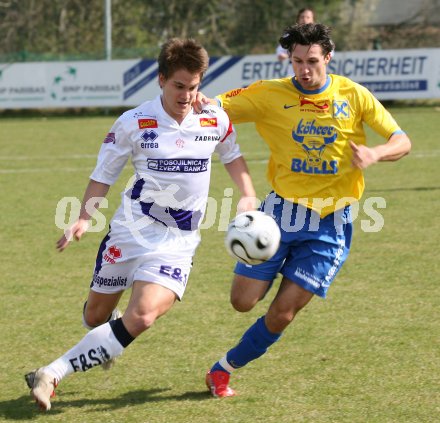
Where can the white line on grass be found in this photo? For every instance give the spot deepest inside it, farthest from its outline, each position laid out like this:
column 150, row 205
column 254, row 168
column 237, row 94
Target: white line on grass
column 424, row 154
column 45, row 170
column 48, row 157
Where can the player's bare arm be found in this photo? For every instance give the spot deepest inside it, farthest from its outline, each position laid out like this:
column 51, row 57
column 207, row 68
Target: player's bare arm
column 239, row 173
column 96, row 191
column 282, row 56
column 398, row 146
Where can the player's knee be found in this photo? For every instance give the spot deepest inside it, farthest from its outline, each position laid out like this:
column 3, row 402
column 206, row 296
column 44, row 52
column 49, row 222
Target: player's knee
column 242, row 304
column 91, row 321
column 93, row 317
column 279, row 319
column 140, row 323
column 285, row 318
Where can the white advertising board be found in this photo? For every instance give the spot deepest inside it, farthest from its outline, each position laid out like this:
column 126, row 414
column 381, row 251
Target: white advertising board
column 390, row 74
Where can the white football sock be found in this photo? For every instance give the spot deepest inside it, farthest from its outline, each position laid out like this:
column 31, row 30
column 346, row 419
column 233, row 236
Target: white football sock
column 224, row 363
column 98, row 346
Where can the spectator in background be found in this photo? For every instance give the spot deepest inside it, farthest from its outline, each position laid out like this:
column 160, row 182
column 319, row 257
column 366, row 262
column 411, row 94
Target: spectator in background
column 377, row 45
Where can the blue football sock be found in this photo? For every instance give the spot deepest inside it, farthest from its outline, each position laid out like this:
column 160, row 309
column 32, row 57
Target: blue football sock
column 254, row 343
column 218, row 366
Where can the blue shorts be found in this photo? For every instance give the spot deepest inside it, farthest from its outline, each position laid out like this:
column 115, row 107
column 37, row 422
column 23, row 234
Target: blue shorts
column 312, row 250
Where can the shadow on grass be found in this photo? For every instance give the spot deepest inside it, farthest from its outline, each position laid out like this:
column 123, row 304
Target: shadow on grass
column 23, row 408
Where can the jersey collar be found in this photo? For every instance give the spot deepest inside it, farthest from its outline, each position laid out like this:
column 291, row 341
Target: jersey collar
column 318, row 91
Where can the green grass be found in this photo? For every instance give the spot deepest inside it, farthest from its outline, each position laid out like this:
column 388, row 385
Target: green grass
column 370, row 352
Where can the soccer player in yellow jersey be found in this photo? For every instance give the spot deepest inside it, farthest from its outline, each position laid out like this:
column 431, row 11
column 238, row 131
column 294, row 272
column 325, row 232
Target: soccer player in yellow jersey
column 313, row 126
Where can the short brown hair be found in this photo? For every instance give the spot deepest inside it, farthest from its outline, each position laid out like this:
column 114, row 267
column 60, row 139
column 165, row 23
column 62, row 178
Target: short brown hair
column 179, row 54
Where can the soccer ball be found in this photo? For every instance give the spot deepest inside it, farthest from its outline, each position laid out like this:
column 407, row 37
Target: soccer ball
column 252, row 237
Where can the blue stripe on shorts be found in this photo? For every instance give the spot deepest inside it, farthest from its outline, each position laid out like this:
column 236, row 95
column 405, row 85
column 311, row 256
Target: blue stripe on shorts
column 312, row 249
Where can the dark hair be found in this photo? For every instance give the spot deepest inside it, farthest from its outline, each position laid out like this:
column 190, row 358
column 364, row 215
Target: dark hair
column 304, row 9
column 307, row 34
column 185, row 54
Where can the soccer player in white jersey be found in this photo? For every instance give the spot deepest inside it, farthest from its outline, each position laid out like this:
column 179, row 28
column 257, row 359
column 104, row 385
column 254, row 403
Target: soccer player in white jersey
column 313, row 126
column 154, row 234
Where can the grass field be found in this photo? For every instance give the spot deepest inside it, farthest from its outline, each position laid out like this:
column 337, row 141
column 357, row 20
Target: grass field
column 370, row 352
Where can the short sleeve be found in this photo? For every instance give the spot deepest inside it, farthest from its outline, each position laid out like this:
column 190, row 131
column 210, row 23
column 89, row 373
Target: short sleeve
column 228, row 150
column 376, row 116
column 113, row 155
column 245, row 104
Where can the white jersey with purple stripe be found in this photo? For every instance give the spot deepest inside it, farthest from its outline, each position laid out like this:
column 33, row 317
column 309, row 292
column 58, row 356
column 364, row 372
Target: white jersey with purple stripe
column 172, row 162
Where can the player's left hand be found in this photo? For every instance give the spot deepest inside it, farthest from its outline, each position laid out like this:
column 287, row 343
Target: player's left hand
column 201, row 101
column 363, row 156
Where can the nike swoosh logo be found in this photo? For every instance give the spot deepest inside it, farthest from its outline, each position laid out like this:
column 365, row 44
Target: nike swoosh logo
column 286, row 106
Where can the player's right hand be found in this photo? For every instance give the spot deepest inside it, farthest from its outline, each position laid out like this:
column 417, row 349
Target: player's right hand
column 247, row 203
column 362, row 156
column 75, row 231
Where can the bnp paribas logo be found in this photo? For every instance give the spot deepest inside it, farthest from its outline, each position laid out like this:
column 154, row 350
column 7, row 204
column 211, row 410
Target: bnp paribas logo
column 62, row 82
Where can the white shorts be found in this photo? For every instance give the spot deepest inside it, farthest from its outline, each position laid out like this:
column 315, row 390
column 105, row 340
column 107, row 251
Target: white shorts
column 154, row 253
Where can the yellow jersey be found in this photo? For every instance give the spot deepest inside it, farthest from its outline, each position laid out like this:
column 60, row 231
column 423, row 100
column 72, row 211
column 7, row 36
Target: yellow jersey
column 308, row 134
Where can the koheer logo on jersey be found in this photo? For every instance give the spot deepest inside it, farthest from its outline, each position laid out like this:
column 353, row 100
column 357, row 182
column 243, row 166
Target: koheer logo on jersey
column 314, row 139
column 208, row 122
column 147, row 123
column 178, row 165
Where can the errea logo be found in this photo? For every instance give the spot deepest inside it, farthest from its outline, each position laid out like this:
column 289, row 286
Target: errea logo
column 149, row 137
column 113, row 253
